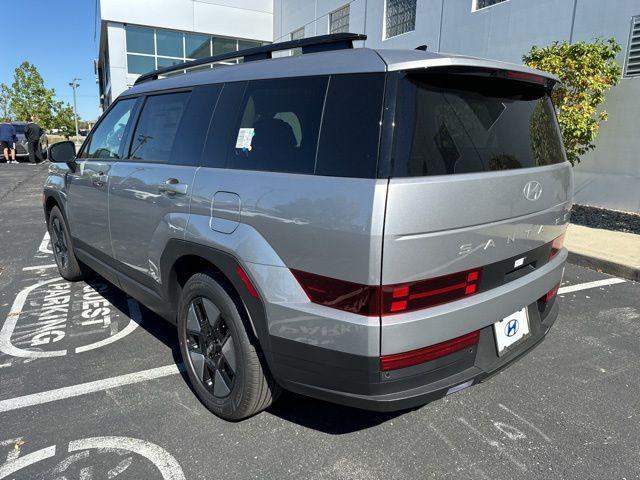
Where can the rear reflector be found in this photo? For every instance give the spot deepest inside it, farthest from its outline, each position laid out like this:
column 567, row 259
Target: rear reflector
column 526, row 77
column 373, row 300
column 247, row 282
column 556, row 245
column 415, row 357
column 550, row 294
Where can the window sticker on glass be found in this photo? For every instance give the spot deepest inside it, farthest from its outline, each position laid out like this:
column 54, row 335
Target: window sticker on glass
column 245, row 135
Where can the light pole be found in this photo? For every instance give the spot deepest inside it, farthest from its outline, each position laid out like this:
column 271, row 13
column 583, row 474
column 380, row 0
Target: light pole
column 74, row 85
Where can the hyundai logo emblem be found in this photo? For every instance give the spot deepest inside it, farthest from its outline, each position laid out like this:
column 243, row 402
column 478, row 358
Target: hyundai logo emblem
column 511, row 328
column 532, row 190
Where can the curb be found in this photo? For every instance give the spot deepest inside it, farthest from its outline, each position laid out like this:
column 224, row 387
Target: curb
column 605, row 266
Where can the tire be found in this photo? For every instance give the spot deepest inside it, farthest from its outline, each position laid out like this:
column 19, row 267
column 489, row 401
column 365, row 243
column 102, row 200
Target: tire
column 222, row 359
column 69, row 267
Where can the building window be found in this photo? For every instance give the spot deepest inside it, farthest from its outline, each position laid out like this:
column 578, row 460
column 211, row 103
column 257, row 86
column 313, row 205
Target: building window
column 297, row 35
column 152, row 48
column 400, row 17
column 339, row 20
column 632, row 61
column 480, row 4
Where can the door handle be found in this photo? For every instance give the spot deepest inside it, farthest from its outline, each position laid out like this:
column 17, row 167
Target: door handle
column 172, row 186
column 99, row 179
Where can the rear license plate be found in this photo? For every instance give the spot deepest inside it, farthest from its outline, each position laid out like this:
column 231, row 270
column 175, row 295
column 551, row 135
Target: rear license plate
column 511, row 329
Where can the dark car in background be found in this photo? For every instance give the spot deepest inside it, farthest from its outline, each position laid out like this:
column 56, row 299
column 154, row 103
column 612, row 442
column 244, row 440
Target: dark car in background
column 22, row 153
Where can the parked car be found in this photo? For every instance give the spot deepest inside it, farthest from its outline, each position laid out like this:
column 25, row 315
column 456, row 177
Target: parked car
column 22, row 153
column 377, row 228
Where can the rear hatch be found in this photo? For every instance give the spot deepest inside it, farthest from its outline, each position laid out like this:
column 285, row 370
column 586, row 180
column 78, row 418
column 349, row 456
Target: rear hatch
column 478, row 183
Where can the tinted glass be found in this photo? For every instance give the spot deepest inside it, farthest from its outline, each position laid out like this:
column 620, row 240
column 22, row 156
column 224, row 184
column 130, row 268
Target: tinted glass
column 138, row 65
column 155, row 133
column 279, row 125
column 198, row 46
column 351, row 126
column 190, row 139
column 244, row 44
column 140, row 40
column 455, row 124
column 169, row 43
column 168, row 62
column 224, row 45
column 107, row 138
column 223, row 125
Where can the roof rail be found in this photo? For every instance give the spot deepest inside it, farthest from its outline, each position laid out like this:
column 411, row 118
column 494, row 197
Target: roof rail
column 321, row 43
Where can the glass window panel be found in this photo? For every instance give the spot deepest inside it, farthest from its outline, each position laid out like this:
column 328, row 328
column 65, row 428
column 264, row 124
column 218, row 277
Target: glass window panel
column 107, row 137
column 243, row 44
column 339, row 20
column 157, row 127
column 486, row 3
column 400, row 17
column 224, row 45
column 140, row 40
column 168, row 62
column 139, row 65
column 198, row 46
column 169, row 43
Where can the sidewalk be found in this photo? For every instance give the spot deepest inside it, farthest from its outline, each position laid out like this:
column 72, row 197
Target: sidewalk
column 615, row 253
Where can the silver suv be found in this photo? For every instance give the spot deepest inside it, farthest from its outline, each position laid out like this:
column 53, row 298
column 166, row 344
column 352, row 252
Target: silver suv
column 377, row 228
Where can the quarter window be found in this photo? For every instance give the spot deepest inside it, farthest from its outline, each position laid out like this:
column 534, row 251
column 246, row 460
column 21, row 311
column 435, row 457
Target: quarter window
column 156, row 130
column 339, row 20
column 400, row 17
column 106, row 140
column 279, row 125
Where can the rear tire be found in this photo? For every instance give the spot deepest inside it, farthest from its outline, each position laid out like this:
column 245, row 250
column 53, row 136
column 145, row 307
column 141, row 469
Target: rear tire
column 222, row 359
column 69, row 267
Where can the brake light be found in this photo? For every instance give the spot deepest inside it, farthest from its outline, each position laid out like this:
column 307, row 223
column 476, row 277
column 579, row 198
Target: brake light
column 247, row 282
column 422, row 355
column 556, row 245
column 407, row 297
column 550, row 294
column 373, row 300
column 526, row 77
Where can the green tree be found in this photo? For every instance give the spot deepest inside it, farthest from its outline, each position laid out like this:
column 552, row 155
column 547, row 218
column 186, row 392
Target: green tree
column 5, row 101
column 63, row 119
column 587, row 71
column 29, row 96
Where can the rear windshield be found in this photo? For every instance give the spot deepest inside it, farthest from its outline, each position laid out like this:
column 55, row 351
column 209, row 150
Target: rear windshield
column 461, row 124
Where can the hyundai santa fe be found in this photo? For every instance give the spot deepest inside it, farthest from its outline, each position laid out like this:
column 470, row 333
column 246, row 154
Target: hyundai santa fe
column 377, row 228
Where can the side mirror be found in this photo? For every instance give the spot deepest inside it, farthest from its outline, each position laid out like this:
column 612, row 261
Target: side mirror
column 62, row 152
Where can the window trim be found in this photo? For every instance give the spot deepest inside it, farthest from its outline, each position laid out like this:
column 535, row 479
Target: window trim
column 474, row 5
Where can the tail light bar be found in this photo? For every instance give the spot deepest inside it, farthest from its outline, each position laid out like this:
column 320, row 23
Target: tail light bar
column 426, row 354
column 556, row 245
column 372, row 300
column 550, row 294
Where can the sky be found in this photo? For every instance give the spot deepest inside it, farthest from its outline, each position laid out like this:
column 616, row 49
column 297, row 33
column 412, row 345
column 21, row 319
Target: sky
column 58, row 37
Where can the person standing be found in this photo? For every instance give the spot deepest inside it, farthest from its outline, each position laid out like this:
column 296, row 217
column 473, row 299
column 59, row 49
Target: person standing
column 33, row 132
column 8, row 141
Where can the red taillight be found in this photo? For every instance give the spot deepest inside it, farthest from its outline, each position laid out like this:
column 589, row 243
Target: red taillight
column 407, row 297
column 347, row 296
column 526, row 77
column 247, row 282
column 556, row 245
column 550, row 294
column 372, row 300
column 414, row 357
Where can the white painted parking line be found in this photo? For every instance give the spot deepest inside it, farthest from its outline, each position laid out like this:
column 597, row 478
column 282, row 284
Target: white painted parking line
column 584, row 286
column 44, row 245
column 89, row 387
column 22, row 462
column 4, row 365
column 39, row 267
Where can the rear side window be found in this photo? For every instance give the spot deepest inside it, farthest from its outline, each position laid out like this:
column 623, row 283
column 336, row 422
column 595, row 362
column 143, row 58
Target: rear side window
column 157, row 127
column 279, row 125
column 107, row 138
column 449, row 124
column 351, row 126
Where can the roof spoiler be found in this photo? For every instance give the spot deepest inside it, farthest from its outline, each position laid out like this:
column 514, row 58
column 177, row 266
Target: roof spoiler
column 321, row 43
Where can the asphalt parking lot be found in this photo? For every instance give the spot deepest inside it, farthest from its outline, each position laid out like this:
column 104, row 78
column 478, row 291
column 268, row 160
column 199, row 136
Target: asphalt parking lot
column 91, row 387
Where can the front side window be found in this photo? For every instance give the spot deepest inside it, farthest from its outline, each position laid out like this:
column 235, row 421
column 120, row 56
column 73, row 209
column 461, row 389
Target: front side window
column 279, row 125
column 400, row 17
column 106, row 140
column 156, row 130
column 448, row 124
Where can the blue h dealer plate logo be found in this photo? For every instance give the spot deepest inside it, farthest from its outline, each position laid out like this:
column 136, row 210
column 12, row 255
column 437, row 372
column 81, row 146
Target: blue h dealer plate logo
column 510, row 330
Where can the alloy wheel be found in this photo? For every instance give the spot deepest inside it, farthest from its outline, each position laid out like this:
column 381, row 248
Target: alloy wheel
column 59, row 243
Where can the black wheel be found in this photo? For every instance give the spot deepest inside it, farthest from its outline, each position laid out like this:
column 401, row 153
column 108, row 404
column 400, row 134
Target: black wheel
column 222, row 360
column 69, row 266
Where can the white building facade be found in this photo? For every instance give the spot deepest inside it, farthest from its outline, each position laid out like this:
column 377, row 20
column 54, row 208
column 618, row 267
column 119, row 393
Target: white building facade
column 138, row 36
column 505, row 30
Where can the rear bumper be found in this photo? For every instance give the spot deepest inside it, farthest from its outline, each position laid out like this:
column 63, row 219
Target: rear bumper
column 418, row 385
